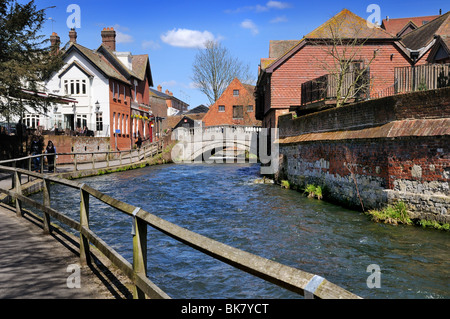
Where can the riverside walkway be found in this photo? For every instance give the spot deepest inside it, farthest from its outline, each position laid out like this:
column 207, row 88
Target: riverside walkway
column 24, row 272
column 37, row 266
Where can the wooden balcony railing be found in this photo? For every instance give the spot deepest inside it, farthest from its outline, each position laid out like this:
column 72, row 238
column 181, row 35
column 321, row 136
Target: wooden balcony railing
column 422, row 77
column 326, row 87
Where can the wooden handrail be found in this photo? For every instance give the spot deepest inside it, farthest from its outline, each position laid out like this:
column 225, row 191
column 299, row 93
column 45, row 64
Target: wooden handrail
column 284, row 276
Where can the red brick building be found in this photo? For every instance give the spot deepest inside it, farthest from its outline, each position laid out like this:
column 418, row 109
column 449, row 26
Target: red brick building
column 236, row 106
column 281, row 76
column 403, row 26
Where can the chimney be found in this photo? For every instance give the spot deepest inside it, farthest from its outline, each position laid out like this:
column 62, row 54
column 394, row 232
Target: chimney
column 387, row 18
column 55, row 41
column 73, row 36
column 109, row 38
column 159, row 88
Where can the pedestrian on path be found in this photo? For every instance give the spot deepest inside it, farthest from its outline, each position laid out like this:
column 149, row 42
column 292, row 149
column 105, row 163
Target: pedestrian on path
column 139, row 141
column 51, row 149
column 36, row 149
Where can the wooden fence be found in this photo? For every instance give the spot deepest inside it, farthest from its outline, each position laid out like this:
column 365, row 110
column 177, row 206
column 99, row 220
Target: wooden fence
column 422, row 77
column 309, row 285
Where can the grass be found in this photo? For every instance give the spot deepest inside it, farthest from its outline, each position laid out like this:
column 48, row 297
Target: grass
column 392, row 214
column 314, row 191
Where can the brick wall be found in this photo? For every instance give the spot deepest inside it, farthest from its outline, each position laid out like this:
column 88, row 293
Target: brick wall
column 78, row 144
column 396, row 148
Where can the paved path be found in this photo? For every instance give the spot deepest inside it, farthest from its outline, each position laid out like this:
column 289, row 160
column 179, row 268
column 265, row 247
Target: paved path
column 33, row 265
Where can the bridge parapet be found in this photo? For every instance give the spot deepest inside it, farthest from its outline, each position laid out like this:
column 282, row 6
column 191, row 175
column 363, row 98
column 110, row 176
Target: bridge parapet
column 200, row 143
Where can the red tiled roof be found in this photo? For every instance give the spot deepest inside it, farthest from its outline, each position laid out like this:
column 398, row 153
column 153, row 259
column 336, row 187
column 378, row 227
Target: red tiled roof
column 394, row 26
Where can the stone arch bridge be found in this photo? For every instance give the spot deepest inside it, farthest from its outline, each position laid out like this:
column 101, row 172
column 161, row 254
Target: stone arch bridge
column 215, row 143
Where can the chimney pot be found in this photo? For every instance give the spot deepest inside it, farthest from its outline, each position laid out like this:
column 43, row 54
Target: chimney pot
column 109, row 38
column 159, row 88
column 55, row 41
column 73, row 35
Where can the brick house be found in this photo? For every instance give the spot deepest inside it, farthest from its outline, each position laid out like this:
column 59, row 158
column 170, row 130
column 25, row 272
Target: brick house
column 236, row 106
column 281, row 75
column 403, row 26
column 111, row 88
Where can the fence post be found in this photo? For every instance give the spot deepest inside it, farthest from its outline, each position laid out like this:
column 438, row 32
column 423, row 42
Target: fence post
column 85, row 257
column 139, row 251
column 46, row 202
column 75, row 161
column 93, row 161
column 42, row 163
column 131, row 157
column 18, row 189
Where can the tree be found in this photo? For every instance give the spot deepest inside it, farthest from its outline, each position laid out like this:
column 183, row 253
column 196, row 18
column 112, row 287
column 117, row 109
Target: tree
column 25, row 57
column 343, row 39
column 214, row 68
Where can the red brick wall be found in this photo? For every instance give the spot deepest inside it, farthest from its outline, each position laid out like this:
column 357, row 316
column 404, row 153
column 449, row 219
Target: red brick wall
column 120, row 106
column 400, row 143
column 245, row 98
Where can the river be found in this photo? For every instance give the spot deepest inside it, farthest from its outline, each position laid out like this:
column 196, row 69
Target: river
column 222, row 201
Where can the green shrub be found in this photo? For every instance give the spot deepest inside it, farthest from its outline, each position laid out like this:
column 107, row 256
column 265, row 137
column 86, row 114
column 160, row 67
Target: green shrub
column 285, row 184
column 314, row 191
column 392, row 214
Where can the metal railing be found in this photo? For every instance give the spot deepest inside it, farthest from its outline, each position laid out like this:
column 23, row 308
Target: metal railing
column 298, row 281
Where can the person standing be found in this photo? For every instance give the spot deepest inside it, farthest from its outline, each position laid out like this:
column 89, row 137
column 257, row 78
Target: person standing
column 36, row 149
column 50, row 149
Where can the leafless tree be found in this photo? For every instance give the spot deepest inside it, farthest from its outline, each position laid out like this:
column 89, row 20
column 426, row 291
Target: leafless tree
column 214, row 68
column 343, row 40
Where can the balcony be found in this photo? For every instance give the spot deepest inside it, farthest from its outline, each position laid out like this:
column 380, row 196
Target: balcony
column 323, row 91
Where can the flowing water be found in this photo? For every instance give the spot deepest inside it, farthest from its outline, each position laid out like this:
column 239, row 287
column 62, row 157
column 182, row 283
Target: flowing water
column 223, row 202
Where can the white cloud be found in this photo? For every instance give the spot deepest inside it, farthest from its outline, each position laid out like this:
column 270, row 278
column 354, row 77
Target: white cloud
column 152, row 45
column 249, row 24
column 278, row 5
column 186, row 38
column 262, row 8
column 122, row 37
column 279, row 19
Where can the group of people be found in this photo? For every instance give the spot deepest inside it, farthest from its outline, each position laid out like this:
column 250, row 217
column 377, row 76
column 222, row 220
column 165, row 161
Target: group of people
column 36, row 149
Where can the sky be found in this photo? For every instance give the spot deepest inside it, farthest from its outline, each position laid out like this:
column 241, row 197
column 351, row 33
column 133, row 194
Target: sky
column 172, row 32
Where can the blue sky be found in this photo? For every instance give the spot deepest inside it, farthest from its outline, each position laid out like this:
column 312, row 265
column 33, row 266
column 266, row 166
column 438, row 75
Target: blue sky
column 171, row 31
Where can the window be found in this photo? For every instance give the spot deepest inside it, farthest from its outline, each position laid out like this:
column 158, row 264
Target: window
column 249, row 108
column 99, row 122
column 81, row 121
column 235, row 92
column 118, row 91
column 238, row 112
column 114, row 122
column 75, row 87
column 32, row 120
column 114, row 90
column 221, row 108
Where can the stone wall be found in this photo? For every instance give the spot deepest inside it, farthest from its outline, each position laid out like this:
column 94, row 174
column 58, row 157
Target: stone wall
column 374, row 153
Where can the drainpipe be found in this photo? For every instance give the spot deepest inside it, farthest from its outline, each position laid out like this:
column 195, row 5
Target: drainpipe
column 414, row 56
